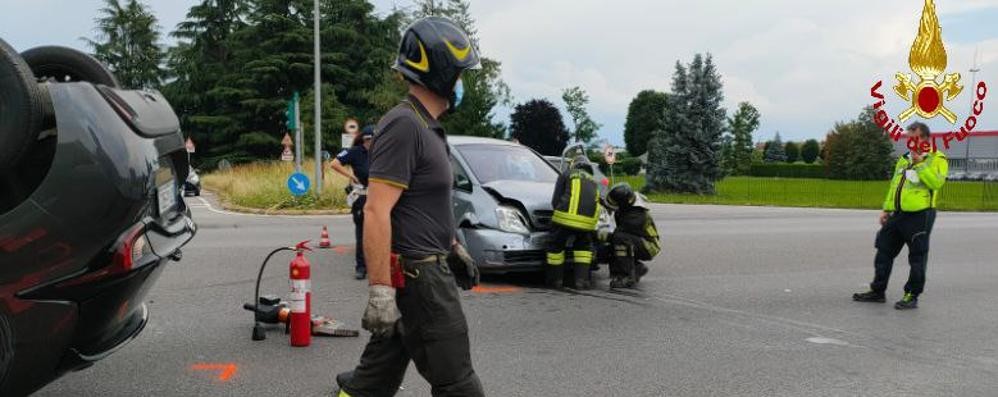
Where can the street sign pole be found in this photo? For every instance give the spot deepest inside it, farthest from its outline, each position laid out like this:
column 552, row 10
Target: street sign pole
column 318, row 104
column 299, row 152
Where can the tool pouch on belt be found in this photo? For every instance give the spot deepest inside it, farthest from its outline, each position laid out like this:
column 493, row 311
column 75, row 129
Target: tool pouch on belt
column 398, row 278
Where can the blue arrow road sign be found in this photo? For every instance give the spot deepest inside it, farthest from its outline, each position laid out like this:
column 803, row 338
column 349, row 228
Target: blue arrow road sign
column 298, row 184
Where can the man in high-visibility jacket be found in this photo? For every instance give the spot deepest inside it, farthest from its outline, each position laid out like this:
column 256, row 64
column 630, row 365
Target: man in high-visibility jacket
column 909, row 213
column 576, row 214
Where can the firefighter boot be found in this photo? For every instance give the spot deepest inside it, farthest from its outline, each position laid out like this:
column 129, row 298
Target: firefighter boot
column 581, row 276
column 553, row 277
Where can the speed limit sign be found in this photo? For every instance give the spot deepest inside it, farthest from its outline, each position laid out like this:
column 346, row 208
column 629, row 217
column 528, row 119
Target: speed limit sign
column 609, row 155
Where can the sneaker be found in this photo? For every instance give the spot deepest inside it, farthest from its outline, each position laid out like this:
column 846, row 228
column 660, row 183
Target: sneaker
column 870, row 296
column 908, row 302
column 360, row 275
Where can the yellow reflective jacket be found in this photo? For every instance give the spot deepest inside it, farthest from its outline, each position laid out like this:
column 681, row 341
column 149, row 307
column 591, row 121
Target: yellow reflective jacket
column 576, row 201
column 915, row 187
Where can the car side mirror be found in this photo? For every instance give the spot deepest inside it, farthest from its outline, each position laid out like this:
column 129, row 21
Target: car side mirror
column 462, row 182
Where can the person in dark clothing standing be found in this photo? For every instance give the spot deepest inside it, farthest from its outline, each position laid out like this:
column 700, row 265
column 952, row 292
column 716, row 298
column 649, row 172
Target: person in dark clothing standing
column 414, row 261
column 356, row 158
column 576, row 214
column 908, row 217
column 635, row 238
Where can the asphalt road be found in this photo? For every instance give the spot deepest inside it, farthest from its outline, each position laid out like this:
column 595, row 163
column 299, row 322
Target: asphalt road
column 744, row 301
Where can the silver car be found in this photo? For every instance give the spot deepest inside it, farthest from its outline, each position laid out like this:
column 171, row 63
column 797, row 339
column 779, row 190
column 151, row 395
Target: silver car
column 502, row 203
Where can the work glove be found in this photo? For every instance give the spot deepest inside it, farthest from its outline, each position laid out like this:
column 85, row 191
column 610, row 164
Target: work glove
column 463, row 267
column 382, row 313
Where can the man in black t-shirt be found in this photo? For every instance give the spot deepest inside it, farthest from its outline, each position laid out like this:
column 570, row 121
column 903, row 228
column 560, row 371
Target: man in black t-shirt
column 414, row 310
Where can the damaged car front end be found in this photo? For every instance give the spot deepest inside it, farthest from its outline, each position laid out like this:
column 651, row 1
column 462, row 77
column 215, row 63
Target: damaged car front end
column 502, row 203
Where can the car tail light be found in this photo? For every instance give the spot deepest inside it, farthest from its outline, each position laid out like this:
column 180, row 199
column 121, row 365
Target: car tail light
column 131, row 248
column 605, row 182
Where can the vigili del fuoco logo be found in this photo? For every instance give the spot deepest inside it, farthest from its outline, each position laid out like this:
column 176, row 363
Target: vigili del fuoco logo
column 929, row 91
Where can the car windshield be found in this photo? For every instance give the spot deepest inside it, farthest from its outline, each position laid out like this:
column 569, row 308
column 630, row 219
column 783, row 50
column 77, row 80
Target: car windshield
column 503, row 162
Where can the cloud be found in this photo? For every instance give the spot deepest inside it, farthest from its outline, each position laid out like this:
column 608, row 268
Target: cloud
column 805, row 65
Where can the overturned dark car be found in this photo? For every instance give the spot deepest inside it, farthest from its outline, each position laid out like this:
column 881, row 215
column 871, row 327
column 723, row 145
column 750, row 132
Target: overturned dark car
column 502, row 203
column 90, row 211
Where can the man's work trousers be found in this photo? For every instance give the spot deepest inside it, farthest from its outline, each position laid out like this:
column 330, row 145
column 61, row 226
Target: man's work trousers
column 913, row 229
column 432, row 333
column 627, row 250
column 358, row 221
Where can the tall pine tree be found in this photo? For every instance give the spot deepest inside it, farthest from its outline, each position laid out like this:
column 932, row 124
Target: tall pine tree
column 128, row 42
column 685, row 154
column 775, row 151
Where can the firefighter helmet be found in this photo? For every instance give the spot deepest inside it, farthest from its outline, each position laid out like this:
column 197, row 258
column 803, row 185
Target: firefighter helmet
column 433, row 53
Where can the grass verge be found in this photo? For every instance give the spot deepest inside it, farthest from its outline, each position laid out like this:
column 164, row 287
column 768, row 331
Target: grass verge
column 826, row 193
column 263, row 186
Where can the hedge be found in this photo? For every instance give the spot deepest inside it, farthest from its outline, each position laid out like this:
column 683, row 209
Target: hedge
column 784, row 170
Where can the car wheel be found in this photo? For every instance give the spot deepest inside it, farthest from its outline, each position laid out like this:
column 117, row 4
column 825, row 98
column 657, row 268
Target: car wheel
column 63, row 64
column 197, row 192
column 21, row 108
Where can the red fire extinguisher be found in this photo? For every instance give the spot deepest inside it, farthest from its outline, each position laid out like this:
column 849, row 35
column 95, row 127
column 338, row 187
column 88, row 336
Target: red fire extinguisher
column 301, row 298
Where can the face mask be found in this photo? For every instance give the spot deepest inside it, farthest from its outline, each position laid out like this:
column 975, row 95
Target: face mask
column 458, row 94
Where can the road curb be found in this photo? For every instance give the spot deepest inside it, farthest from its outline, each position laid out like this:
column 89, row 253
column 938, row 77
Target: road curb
column 227, row 206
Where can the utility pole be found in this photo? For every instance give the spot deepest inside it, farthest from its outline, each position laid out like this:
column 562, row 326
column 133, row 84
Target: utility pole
column 318, row 104
column 973, row 94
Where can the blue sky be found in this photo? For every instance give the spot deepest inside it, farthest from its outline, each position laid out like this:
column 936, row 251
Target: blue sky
column 805, row 65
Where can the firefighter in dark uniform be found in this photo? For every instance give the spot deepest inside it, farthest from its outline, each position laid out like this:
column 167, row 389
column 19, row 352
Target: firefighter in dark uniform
column 414, row 309
column 909, row 213
column 635, row 239
column 576, row 214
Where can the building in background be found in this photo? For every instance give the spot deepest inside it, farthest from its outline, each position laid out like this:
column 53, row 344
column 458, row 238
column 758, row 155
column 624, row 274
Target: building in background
column 976, row 158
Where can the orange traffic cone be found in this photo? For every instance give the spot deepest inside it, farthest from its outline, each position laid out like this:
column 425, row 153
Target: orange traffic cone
column 324, row 241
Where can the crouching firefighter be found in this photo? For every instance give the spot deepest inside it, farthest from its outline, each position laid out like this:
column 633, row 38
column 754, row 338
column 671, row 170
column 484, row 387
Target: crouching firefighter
column 635, row 239
column 576, row 212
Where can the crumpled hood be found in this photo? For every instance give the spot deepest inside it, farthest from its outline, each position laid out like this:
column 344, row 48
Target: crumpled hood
column 534, row 196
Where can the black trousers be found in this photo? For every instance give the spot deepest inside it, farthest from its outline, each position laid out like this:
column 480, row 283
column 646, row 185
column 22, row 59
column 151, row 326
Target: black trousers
column 358, row 228
column 432, row 333
column 913, row 229
column 627, row 249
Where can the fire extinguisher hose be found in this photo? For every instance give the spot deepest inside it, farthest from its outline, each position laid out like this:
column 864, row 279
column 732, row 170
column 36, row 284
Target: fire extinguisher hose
column 256, row 295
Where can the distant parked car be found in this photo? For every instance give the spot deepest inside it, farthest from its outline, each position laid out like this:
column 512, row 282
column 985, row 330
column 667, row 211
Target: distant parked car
column 192, row 185
column 502, row 203
column 90, row 211
column 991, row 177
column 604, row 182
column 957, row 176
